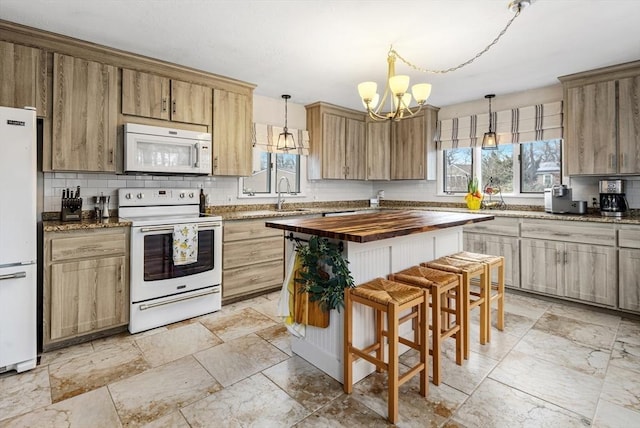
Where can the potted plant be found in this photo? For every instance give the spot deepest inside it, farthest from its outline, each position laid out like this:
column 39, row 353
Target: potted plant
column 324, row 274
column 473, row 196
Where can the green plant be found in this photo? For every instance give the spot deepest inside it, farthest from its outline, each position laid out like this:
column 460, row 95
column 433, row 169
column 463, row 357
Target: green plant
column 324, row 274
column 472, row 184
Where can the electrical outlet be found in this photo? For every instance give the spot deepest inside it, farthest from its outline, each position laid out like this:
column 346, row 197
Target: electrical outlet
column 229, row 198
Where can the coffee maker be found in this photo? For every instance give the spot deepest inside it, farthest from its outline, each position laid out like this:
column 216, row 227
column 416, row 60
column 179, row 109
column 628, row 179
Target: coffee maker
column 613, row 202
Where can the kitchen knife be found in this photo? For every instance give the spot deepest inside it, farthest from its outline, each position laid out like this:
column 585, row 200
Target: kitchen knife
column 78, row 192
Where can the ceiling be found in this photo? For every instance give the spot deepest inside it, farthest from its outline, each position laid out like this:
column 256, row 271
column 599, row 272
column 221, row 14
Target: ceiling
column 321, row 49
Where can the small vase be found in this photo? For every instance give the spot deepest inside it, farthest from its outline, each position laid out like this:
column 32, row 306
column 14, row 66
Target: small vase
column 473, row 202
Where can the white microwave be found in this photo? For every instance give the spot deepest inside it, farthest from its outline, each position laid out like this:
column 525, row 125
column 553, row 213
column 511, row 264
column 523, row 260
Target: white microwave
column 154, row 149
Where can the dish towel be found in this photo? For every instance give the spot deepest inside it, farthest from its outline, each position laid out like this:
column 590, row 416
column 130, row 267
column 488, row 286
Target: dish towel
column 185, row 244
column 286, row 302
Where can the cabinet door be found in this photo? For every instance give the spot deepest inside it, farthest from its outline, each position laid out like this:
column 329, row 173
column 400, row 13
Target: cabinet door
column 333, row 146
column 591, row 129
column 408, row 154
column 232, row 149
column 190, row 103
column 590, row 273
column 629, row 281
column 84, row 115
column 509, row 248
column 542, row 267
column 629, row 125
column 378, row 150
column 355, row 150
column 24, row 74
column 88, row 295
column 145, row 94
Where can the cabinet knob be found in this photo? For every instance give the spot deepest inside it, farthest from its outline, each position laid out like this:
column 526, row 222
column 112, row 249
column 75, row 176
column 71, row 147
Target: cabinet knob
column 191, row 195
column 181, row 195
column 128, row 196
column 140, row 195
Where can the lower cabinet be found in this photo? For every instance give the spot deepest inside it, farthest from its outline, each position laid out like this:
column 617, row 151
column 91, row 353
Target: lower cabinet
column 253, row 258
column 568, row 262
column 628, row 268
column 498, row 237
column 86, row 284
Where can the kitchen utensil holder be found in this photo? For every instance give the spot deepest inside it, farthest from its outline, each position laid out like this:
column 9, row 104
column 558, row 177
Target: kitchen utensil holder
column 71, row 209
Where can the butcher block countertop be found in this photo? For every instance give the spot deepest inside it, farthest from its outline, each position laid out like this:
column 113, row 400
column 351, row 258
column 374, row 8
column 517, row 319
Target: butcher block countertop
column 379, row 225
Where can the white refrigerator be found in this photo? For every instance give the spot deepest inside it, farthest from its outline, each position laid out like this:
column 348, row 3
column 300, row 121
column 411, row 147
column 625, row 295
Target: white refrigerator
column 18, row 264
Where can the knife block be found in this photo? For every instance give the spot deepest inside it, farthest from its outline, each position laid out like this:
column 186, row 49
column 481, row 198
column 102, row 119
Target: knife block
column 71, row 210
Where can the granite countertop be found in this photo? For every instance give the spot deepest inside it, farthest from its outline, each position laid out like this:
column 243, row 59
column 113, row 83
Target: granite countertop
column 85, row 223
column 379, row 225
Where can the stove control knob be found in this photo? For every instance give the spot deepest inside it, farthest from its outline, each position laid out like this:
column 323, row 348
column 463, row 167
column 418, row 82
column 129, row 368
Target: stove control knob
column 191, row 195
column 181, row 195
column 140, row 195
column 128, row 196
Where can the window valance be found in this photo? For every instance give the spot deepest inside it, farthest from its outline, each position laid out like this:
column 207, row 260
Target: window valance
column 518, row 125
column 265, row 138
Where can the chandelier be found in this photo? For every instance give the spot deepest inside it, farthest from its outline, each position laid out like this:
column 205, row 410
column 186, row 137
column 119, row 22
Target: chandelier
column 397, row 86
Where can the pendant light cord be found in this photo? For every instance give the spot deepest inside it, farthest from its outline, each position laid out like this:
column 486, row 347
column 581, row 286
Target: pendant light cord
column 467, row 62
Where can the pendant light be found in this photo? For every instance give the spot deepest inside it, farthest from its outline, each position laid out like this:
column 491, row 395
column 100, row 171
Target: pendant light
column 490, row 139
column 285, row 139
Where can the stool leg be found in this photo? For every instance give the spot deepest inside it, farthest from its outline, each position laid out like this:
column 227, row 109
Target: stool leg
column 392, row 336
column 460, row 320
column 485, row 308
column 378, row 338
column 501, row 296
column 347, row 361
column 466, row 325
column 435, row 333
column 424, row 343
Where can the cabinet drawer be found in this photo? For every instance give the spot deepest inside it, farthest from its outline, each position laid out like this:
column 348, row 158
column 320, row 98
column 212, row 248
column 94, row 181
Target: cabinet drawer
column 497, row 226
column 241, row 253
column 248, row 229
column 88, row 245
column 629, row 237
column 587, row 233
column 248, row 279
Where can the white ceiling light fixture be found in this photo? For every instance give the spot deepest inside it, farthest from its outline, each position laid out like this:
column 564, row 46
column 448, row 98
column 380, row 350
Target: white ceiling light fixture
column 397, row 86
column 285, row 139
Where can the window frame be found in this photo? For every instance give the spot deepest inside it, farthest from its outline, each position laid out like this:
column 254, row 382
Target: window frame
column 476, row 155
column 273, row 191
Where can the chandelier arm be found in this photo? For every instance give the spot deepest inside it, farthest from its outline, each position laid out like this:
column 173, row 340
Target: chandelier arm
column 467, row 62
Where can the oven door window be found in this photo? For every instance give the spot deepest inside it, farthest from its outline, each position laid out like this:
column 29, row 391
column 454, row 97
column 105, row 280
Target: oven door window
column 158, row 256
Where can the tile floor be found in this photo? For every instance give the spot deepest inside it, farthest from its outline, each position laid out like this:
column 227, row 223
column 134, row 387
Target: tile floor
column 555, row 365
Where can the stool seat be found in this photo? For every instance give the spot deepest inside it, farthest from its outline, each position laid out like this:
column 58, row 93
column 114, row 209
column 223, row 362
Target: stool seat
column 384, row 291
column 476, row 257
column 450, row 264
column 444, row 287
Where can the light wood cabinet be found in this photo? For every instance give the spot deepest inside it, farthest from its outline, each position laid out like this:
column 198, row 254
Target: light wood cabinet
column 232, row 149
column 253, row 258
column 378, row 150
column 148, row 95
column 85, row 103
column 629, row 267
column 337, row 143
column 24, row 77
column 86, row 284
column 602, row 125
column 574, row 261
column 408, row 148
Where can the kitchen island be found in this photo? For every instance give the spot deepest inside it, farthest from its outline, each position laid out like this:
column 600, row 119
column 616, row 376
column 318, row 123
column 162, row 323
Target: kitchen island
column 375, row 244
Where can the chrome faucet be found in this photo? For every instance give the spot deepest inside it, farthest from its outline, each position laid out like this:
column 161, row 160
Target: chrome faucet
column 280, row 200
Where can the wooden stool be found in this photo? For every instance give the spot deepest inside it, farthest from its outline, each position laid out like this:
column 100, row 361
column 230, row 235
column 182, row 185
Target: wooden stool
column 392, row 298
column 497, row 289
column 471, row 299
column 444, row 288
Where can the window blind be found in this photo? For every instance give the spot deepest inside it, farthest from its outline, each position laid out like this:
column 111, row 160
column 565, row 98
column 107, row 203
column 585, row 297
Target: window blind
column 265, row 138
column 517, row 125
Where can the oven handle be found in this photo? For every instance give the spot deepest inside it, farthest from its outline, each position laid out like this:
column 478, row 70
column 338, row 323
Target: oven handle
column 146, row 306
column 202, row 226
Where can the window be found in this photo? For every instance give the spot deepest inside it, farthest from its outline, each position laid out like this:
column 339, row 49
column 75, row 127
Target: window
column 524, row 168
column 268, row 170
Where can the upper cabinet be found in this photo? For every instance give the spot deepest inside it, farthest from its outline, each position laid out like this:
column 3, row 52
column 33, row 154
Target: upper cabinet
column 157, row 97
column 337, row 142
column 378, row 150
column 85, row 111
column 24, row 72
column 603, row 120
column 232, row 149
